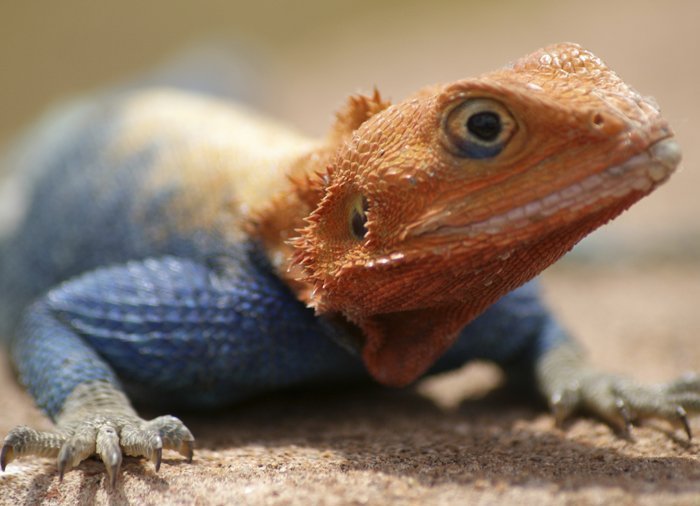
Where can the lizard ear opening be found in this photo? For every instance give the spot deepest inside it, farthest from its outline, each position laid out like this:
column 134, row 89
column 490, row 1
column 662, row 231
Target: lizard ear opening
column 358, row 217
column 358, row 109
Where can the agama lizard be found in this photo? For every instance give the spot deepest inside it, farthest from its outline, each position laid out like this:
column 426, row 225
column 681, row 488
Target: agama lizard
column 177, row 249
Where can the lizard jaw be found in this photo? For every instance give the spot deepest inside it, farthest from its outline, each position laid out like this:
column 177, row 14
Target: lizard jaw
column 641, row 173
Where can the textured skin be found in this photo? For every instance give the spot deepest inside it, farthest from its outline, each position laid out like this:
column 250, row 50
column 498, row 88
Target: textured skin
column 182, row 250
column 448, row 235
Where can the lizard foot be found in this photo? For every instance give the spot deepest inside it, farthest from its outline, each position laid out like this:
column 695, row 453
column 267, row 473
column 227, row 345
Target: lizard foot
column 106, row 435
column 570, row 385
column 621, row 401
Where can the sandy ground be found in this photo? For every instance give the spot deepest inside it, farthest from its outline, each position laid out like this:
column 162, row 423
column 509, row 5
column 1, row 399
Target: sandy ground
column 632, row 297
column 456, row 439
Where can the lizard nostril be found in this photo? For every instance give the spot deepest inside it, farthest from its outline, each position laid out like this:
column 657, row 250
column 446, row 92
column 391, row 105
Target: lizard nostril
column 605, row 123
column 598, row 120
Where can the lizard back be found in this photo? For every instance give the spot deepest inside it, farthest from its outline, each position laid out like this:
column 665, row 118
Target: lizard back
column 143, row 174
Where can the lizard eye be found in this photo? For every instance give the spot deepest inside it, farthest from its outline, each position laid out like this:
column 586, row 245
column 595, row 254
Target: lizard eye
column 478, row 128
column 358, row 217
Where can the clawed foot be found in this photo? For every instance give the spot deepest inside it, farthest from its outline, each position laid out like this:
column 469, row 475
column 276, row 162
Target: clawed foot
column 571, row 386
column 622, row 402
column 108, row 436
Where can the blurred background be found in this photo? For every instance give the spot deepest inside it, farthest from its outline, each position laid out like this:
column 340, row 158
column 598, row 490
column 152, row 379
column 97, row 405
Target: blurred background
column 299, row 60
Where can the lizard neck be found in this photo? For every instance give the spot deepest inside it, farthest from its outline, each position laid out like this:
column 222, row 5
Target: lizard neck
column 280, row 219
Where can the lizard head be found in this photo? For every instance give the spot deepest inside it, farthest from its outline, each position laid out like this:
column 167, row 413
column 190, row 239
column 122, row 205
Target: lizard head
column 435, row 207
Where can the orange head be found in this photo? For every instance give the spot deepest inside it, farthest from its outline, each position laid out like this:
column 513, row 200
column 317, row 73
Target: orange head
column 435, row 207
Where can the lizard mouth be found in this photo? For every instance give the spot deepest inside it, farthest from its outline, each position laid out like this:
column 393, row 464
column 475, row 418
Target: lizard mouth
column 639, row 174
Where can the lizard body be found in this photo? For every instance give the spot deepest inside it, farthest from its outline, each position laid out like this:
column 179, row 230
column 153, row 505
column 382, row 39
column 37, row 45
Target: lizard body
column 181, row 250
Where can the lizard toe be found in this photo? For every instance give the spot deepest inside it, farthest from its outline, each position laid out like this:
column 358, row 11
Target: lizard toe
column 174, row 434
column 24, row 440
column 95, row 435
column 597, row 395
column 149, row 438
column 688, row 383
column 138, row 440
column 564, row 402
column 625, row 427
column 107, row 446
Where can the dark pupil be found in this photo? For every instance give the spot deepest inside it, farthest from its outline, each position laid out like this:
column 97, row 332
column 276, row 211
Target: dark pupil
column 359, row 221
column 485, row 126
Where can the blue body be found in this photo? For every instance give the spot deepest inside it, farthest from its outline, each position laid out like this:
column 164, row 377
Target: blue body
column 89, row 292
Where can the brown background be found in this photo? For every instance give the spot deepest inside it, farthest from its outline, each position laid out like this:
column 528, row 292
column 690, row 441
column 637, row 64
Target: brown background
column 631, row 292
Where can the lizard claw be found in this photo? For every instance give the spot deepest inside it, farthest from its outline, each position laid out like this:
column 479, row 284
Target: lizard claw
column 563, row 403
column 6, row 456
column 683, row 417
column 626, row 428
column 107, row 447
column 187, row 450
column 157, row 458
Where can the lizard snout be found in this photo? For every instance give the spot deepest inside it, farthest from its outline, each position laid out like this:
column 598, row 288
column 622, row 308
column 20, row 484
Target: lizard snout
column 667, row 152
column 665, row 156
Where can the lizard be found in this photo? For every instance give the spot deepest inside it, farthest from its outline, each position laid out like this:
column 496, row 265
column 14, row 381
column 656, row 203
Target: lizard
column 179, row 250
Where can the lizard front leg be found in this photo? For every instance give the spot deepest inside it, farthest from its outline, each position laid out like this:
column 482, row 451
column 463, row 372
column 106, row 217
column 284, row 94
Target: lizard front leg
column 79, row 390
column 520, row 334
column 195, row 334
column 72, row 343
